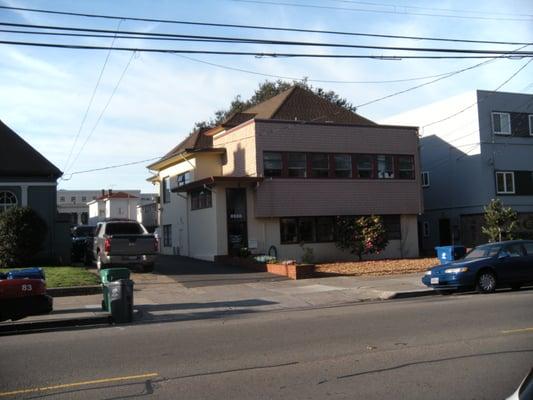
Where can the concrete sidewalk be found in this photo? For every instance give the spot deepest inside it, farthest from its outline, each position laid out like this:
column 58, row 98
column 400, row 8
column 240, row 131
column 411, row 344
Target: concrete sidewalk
column 161, row 298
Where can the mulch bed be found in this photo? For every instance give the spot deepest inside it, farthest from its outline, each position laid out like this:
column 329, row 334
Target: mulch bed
column 377, row 267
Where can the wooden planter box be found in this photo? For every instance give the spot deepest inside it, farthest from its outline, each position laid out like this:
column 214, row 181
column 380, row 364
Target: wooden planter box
column 292, row 271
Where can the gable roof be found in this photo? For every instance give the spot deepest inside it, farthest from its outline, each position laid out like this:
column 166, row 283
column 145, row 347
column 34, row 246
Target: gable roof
column 20, row 159
column 299, row 104
column 116, row 195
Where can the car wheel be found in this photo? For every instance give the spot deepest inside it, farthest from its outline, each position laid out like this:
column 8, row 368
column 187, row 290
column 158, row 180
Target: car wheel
column 486, row 282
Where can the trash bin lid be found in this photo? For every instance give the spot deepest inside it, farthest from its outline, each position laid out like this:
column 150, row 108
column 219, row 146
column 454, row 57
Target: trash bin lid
column 114, row 274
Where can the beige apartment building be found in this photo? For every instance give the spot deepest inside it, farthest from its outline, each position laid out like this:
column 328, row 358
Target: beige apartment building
column 277, row 175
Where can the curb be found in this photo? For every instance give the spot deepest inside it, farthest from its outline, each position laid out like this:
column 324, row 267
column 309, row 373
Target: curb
column 39, row 326
column 74, row 291
column 413, row 293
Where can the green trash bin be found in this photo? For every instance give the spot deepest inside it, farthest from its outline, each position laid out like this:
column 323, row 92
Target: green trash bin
column 111, row 275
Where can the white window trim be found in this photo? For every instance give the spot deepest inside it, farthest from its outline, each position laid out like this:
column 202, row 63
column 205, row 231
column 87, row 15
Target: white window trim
column 426, row 173
column 530, row 117
column 493, row 127
column 4, row 206
column 505, row 191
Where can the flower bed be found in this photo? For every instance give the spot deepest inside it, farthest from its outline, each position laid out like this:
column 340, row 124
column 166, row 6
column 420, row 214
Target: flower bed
column 377, row 267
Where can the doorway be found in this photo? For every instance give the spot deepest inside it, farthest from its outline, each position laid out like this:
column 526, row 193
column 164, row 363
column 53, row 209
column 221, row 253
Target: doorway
column 445, row 232
column 236, row 220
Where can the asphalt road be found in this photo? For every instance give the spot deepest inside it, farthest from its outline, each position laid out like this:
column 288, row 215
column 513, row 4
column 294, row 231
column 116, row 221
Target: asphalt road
column 452, row 347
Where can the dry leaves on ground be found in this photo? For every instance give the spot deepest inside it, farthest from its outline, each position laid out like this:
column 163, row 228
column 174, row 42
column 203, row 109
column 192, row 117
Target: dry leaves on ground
column 378, row 267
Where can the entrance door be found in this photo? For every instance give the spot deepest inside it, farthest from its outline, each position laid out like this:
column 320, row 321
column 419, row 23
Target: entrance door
column 445, row 233
column 236, row 220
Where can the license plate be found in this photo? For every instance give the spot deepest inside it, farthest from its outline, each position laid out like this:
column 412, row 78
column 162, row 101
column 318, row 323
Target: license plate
column 434, row 281
column 136, row 257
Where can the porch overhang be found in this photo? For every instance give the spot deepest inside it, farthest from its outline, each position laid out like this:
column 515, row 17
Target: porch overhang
column 214, row 180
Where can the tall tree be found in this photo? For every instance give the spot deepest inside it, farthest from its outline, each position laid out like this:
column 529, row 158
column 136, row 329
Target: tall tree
column 501, row 222
column 265, row 91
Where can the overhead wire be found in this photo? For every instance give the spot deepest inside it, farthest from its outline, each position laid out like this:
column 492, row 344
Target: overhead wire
column 255, row 27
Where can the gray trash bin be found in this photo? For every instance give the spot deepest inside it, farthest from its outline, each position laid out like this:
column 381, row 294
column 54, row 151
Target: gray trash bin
column 121, row 300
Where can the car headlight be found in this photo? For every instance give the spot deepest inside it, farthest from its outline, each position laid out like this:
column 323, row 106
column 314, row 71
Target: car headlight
column 428, row 272
column 455, row 270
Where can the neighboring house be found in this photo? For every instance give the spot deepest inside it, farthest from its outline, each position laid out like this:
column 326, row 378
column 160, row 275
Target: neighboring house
column 147, row 214
column 113, row 205
column 75, row 202
column 278, row 173
column 482, row 153
column 27, row 179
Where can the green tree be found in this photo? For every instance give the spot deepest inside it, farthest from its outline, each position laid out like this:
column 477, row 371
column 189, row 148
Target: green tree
column 265, row 91
column 361, row 235
column 501, row 222
column 22, row 233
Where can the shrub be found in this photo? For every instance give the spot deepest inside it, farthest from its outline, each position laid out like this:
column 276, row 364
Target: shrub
column 501, row 222
column 361, row 235
column 22, row 233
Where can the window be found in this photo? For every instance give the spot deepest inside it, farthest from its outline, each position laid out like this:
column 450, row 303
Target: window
column 530, row 116
column 425, row 179
column 392, row 226
column 167, row 235
column 62, row 199
column 365, row 166
column 385, row 167
column 343, row 165
column 272, row 163
column 123, row 228
column 319, row 165
column 306, row 229
column 94, row 197
column 7, row 200
column 406, row 167
column 325, row 228
column 425, row 229
column 501, row 123
column 289, row 230
column 73, row 199
column 201, row 199
column 166, row 190
column 529, row 248
column 505, row 182
column 184, row 178
column 297, row 165
column 83, row 198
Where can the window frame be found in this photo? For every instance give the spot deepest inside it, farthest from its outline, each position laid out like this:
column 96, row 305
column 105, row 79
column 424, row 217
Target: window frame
column 392, row 170
column 304, row 168
column 5, row 194
column 312, row 169
column 500, row 132
column 333, row 165
column 412, row 170
column 530, row 119
column 425, row 181
column 165, row 189
column 201, row 199
column 505, row 188
column 372, row 169
column 184, row 178
column 167, row 235
column 281, row 160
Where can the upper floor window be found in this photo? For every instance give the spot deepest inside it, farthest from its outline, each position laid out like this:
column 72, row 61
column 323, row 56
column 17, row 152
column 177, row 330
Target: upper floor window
column 297, row 165
column 406, row 167
column 83, row 198
column 385, row 167
column 73, row 199
column 365, row 166
column 343, row 165
column 62, row 199
column 184, row 178
column 272, row 163
column 505, row 182
column 166, row 190
column 7, row 200
column 530, row 118
column 425, row 178
column 201, row 199
column 501, row 123
column 319, row 165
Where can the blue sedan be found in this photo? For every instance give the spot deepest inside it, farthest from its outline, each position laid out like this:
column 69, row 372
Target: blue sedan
column 486, row 267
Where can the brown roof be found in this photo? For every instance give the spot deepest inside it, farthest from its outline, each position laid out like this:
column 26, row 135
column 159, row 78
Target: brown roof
column 117, row 195
column 213, row 180
column 299, row 104
column 20, row 159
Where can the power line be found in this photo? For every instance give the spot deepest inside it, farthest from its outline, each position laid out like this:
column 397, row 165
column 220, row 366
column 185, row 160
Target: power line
column 110, row 167
column 105, row 108
column 257, row 27
column 256, row 53
column 309, row 79
column 270, row 42
column 82, row 124
column 279, row 3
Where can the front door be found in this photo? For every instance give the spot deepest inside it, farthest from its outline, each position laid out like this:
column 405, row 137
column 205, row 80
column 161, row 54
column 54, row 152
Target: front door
column 236, row 220
column 445, row 233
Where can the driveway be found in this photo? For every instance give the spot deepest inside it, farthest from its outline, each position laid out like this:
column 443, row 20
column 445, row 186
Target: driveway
column 193, row 273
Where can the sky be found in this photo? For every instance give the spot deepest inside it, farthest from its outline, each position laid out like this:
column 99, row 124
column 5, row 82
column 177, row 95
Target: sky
column 146, row 103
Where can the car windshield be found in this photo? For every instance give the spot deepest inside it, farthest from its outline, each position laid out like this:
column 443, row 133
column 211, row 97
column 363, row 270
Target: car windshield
column 123, row 228
column 82, row 231
column 486, row 250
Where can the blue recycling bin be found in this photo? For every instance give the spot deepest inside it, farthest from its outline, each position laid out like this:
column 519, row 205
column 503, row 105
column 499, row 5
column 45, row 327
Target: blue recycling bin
column 447, row 254
column 30, row 273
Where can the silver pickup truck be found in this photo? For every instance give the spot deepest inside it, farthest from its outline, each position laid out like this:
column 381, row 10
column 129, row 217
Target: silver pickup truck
column 124, row 243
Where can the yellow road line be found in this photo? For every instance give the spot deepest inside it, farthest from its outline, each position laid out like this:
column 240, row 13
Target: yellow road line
column 68, row 385
column 519, row 330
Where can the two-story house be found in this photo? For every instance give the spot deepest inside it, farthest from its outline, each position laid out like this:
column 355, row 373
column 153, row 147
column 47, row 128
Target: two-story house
column 277, row 175
column 474, row 147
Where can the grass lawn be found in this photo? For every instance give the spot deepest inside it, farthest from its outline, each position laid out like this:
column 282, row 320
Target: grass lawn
column 66, row 276
column 378, row 267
